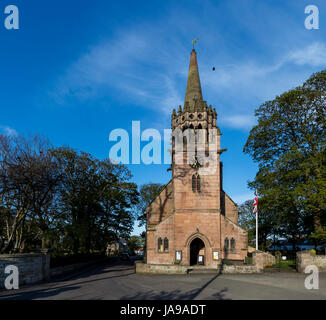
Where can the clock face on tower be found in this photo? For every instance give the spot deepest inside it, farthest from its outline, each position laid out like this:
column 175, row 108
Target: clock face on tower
column 195, row 163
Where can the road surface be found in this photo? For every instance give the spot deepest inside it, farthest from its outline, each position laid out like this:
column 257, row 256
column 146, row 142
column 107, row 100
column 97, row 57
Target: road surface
column 118, row 280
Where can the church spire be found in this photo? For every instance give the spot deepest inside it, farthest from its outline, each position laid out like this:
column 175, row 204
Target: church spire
column 193, row 90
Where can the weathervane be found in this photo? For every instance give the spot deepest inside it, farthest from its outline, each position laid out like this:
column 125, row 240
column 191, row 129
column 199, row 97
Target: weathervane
column 193, row 43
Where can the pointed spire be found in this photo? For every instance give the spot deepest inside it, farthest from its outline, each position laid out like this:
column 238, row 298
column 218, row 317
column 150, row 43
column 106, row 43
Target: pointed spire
column 193, row 91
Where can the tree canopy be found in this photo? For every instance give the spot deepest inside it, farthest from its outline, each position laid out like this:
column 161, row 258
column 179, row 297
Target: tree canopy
column 61, row 198
column 289, row 145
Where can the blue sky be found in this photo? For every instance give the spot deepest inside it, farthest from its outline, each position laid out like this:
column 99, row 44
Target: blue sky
column 75, row 70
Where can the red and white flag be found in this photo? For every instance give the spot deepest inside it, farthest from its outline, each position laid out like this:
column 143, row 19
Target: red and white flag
column 255, row 204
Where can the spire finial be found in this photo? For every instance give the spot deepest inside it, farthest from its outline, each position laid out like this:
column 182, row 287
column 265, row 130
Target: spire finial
column 193, row 43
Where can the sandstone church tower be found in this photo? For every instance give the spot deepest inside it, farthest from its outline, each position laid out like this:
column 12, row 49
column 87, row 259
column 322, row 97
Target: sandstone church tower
column 193, row 221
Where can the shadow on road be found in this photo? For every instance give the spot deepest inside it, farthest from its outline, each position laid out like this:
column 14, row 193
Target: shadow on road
column 54, row 287
column 174, row 295
column 178, row 294
column 38, row 294
column 76, row 282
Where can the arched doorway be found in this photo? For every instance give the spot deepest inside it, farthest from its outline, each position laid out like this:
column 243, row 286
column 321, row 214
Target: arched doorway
column 196, row 247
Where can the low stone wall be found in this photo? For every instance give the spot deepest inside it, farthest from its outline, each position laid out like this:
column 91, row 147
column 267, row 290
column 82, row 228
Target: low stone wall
column 35, row 267
column 235, row 269
column 305, row 259
column 32, row 267
column 262, row 259
column 143, row 268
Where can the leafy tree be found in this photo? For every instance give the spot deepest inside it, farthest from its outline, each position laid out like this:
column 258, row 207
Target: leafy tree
column 266, row 223
column 288, row 143
column 135, row 242
column 97, row 200
column 61, row 198
column 78, row 199
column 143, row 234
column 118, row 200
column 247, row 220
column 28, row 182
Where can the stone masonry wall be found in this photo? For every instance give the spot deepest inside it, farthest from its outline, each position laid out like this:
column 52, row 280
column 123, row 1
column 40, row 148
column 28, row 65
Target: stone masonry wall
column 143, row 268
column 234, row 269
column 232, row 230
column 32, row 267
column 231, row 209
column 262, row 259
column 161, row 207
column 203, row 225
column 305, row 259
column 162, row 230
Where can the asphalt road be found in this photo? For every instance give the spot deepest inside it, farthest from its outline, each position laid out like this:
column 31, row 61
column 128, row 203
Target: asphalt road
column 118, row 281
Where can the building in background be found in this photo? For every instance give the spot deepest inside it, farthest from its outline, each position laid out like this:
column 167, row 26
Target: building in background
column 117, row 246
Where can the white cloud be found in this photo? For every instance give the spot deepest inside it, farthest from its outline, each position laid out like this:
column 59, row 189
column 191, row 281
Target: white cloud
column 259, row 79
column 128, row 65
column 241, row 87
column 8, row 131
column 147, row 66
column 239, row 121
column 312, row 55
column 131, row 66
column 246, row 71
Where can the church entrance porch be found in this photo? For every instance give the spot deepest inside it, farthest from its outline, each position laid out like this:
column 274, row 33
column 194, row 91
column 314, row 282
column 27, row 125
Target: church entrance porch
column 197, row 252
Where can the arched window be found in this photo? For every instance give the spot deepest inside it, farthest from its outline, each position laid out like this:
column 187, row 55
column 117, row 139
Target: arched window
column 194, row 183
column 198, row 183
column 160, row 244
column 232, row 244
column 185, row 143
column 185, row 148
column 166, row 244
column 226, row 244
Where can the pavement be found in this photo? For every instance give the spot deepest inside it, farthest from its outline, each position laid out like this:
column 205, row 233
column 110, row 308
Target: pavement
column 118, row 281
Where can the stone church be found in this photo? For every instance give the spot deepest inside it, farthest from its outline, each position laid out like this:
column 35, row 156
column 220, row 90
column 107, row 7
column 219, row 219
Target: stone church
column 193, row 221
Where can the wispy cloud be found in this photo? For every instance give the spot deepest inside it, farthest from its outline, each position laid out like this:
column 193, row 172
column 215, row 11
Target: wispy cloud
column 127, row 65
column 130, row 66
column 239, row 121
column 147, row 64
column 244, row 73
column 312, row 55
column 236, row 86
column 8, row 131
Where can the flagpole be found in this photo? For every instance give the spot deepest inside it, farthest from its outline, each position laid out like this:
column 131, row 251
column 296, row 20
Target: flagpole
column 256, row 211
column 257, row 229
